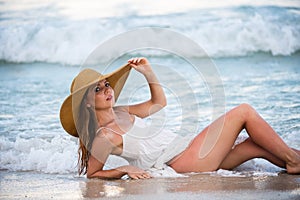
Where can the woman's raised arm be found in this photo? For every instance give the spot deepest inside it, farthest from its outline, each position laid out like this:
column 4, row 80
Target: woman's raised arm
column 158, row 98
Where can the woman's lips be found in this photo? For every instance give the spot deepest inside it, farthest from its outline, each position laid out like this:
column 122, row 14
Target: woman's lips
column 109, row 98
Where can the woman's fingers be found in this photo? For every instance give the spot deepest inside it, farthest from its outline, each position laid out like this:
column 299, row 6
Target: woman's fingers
column 147, row 175
column 136, row 60
column 140, row 176
column 140, row 64
column 143, row 176
column 133, row 60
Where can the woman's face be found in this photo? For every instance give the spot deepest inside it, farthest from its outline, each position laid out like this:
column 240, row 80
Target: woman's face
column 101, row 95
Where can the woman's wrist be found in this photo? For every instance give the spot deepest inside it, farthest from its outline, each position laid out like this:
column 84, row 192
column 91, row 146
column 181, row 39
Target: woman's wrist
column 150, row 76
column 123, row 169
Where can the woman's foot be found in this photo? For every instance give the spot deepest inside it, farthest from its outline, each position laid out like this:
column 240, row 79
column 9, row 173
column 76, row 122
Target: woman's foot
column 293, row 167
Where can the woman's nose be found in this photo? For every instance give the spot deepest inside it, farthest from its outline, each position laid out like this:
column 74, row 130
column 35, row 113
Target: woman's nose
column 107, row 90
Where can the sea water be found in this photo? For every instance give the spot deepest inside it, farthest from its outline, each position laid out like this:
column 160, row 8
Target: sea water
column 253, row 45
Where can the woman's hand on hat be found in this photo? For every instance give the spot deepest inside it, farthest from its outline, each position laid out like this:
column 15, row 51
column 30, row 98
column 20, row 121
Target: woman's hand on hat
column 140, row 64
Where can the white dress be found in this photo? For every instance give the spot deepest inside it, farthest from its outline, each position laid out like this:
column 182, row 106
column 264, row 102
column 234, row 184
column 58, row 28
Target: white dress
column 145, row 148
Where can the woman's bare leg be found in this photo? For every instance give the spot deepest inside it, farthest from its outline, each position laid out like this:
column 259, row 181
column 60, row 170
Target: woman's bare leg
column 243, row 116
column 248, row 150
column 297, row 151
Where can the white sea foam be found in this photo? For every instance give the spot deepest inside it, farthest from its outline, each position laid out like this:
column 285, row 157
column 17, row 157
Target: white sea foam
column 57, row 155
column 227, row 173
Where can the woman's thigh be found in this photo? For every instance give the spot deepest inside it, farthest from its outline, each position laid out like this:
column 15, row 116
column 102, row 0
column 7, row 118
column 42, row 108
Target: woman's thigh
column 209, row 148
column 191, row 160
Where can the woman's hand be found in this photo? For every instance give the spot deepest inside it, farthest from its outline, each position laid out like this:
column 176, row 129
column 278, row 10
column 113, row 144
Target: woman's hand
column 135, row 172
column 140, row 64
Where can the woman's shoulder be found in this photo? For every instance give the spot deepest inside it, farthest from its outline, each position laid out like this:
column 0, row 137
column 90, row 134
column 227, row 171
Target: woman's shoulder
column 107, row 136
column 104, row 133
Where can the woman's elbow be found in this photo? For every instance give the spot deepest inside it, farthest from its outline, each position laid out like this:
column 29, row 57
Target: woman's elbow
column 89, row 176
column 92, row 175
column 164, row 103
column 161, row 104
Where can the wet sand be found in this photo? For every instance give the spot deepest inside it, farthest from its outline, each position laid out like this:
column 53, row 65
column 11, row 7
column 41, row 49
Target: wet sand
column 31, row 185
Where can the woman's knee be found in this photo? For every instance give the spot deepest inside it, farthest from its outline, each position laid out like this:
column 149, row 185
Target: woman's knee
column 245, row 110
column 246, row 106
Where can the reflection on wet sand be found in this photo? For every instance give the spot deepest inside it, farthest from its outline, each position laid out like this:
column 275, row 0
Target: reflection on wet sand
column 195, row 183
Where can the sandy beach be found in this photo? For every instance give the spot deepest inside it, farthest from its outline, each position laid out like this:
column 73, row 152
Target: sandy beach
column 26, row 185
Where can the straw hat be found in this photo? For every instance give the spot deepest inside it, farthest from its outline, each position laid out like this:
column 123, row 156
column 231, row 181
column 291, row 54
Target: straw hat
column 86, row 78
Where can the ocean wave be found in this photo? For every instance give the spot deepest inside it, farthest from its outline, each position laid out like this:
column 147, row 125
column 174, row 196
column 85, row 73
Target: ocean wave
column 57, row 155
column 222, row 32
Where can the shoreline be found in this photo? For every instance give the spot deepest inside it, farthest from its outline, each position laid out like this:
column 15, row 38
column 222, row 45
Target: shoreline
column 33, row 185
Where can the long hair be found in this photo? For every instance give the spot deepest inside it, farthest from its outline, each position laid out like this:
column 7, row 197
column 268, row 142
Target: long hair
column 87, row 124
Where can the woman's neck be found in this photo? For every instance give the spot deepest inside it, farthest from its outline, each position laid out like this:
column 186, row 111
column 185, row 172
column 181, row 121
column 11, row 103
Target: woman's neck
column 105, row 117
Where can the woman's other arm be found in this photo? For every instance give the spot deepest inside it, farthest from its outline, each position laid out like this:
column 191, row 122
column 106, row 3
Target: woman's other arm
column 102, row 147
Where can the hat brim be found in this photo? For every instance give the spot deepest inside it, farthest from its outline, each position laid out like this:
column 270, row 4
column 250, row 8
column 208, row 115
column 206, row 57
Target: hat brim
column 70, row 108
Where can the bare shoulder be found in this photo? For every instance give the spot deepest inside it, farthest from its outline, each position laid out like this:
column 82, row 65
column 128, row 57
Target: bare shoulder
column 108, row 141
column 104, row 135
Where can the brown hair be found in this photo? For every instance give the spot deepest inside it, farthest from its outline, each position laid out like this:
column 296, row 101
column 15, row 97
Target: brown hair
column 87, row 124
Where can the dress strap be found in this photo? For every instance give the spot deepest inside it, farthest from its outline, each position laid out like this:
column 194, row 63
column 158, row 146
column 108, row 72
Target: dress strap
column 99, row 129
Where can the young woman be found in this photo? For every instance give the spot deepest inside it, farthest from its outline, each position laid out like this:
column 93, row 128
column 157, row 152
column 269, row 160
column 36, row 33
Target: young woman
column 105, row 130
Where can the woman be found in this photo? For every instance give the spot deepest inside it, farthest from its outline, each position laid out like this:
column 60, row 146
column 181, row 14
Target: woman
column 104, row 129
